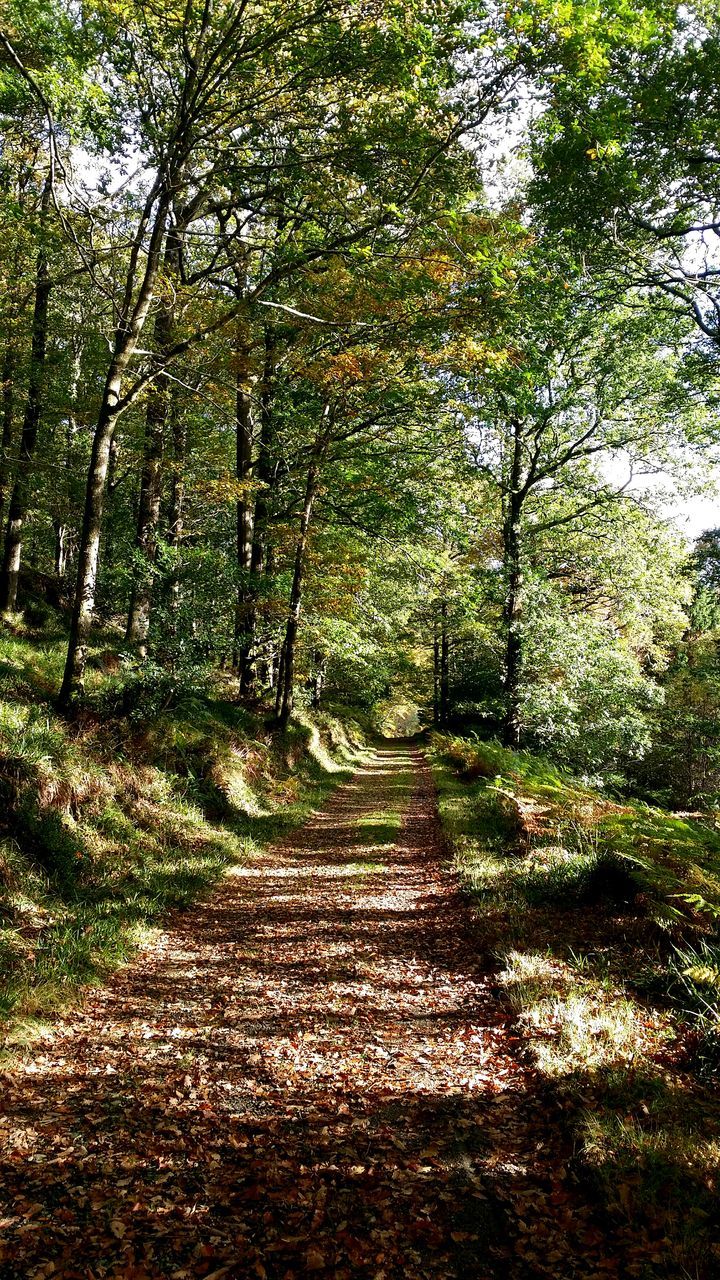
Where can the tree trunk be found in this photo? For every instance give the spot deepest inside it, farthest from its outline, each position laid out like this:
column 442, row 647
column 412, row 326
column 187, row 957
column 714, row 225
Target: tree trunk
column 273, row 665
column 176, row 528
column 62, row 518
column 151, row 482
column 513, row 646
column 318, row 682
column 512, row 612
column 90, row 541
column 7, row 378
column 279, row 678
column 146, row 539
column 61, row 550
column 60, row 558
column 263, row 471
column 20, row 496
column 126, row 340
column 436, row 669
column 6, row 434
column 286, row 676
column 113, row 480
column 444, row 665
column 244, row 511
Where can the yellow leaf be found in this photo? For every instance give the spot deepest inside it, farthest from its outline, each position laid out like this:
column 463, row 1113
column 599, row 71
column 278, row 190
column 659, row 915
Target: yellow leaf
column 703, row 974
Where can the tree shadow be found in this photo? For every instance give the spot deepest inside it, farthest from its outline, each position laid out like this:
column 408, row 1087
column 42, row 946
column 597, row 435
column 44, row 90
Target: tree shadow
column 305, row 1076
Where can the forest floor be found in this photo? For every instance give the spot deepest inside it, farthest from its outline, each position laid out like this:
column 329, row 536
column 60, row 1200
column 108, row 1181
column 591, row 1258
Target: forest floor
column 311, row 1072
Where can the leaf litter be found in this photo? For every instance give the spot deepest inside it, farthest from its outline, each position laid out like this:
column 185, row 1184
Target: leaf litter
column 310, row 1073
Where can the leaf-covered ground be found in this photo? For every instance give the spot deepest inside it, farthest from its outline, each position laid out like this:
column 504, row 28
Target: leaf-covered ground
column 312, row 1073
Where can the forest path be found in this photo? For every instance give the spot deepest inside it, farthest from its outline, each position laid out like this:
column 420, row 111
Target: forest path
column 308, row 1074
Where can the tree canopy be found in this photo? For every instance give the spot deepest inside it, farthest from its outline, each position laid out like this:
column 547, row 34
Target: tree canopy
column 299, row 384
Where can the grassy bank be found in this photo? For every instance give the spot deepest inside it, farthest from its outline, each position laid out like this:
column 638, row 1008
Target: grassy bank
column 603, row 916
column 135, row 808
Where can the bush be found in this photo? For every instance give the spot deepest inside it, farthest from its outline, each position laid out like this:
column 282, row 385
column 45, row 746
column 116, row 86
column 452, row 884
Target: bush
column 142, row 694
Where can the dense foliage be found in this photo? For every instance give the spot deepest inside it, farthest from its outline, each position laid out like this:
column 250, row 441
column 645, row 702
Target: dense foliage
column 356, row 362
column 299, row 381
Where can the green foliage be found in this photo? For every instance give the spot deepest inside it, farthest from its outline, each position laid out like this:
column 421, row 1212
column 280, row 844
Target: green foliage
column 143, row 693
column 570, row 845
column 626, row 162
column 571, row 877
column 483, row 400
column 610, row 976
column 107, row 827
column 684, row 760
column 695, row 986
column 587, row 698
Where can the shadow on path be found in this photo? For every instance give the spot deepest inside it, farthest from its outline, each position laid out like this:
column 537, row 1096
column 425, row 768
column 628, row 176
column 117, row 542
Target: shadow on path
column 308, row 1074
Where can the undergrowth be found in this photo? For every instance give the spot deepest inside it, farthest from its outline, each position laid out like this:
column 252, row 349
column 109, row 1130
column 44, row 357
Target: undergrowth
column 603, row 914
column 111, row 821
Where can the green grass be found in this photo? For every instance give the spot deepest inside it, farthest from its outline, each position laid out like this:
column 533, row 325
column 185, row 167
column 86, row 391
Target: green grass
column 361, row 870
column 109, row 823
column 652, row 1153
column 380, row 828
column 568, row 832
column 531, row 843
column 603, row 916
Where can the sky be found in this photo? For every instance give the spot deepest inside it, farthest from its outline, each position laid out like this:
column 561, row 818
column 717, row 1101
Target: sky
column 694, row 515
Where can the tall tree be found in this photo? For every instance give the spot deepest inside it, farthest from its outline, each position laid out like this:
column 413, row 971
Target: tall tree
column 566, row 424
column 20, row 493
column 627, row 159
column 201, row 80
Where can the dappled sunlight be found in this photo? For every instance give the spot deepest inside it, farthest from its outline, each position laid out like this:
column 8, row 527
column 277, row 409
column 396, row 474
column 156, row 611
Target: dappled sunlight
column 573, row 1021
column 310, row 1071
column 587, row 920
column 584, row 1032
column 321, row 1062
column 531, row 972
column 100, row 842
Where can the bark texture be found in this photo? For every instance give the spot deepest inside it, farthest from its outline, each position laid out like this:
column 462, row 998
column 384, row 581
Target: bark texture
column 286, row 678
column 22, row 487
column 512, row 612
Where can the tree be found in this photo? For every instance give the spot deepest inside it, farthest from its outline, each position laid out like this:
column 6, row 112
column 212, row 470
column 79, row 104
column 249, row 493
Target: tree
column 308, row 347
column 564, row 423
column 32, row 252
column 20, row 493
column 199, row 97
column 627, row 158
column 605, row 609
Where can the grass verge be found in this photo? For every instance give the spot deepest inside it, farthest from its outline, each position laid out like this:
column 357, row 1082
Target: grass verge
column 110, row 822
column 603, row 918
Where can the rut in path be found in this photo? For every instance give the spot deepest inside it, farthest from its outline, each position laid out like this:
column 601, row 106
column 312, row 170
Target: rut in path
column 308, row 1074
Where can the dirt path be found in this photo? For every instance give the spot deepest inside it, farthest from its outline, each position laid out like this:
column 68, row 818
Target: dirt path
column 309, row 1074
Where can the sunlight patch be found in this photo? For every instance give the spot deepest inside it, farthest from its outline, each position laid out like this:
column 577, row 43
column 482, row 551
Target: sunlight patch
column 580, row 1033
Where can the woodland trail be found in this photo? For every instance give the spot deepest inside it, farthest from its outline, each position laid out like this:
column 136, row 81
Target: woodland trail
column 310, row 1073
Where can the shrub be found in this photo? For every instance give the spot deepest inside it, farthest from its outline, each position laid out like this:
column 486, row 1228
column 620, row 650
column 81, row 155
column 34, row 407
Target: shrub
column 142, row 694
